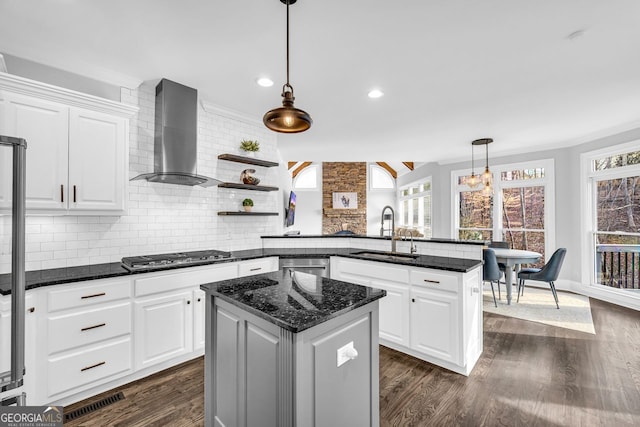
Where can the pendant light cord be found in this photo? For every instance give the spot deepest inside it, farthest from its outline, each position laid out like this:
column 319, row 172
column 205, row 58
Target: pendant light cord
column 486, row 147
column 288, row 85
column 472, row 167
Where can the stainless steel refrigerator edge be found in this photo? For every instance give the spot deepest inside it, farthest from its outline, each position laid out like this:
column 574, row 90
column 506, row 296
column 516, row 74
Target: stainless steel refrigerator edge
column 13, row 379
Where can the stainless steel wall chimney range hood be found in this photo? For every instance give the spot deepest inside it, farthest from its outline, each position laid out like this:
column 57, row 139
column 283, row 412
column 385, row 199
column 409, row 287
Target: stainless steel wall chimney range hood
column 176, row 137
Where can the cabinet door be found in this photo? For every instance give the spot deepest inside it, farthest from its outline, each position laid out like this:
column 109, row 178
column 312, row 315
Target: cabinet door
column 199, row 299
column 97, row 161
column 5, row 333
column 394, row 311
column 44, row 125
column 434, row 324
column 163, row 328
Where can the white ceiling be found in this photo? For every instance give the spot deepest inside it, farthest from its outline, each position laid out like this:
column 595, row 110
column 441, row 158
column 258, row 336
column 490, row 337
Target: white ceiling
column 452, row 70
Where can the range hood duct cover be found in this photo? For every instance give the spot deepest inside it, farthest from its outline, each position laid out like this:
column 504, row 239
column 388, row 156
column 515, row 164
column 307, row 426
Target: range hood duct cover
column 176, row 137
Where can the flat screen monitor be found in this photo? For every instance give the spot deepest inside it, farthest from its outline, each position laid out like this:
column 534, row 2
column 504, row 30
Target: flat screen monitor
column 291, row 210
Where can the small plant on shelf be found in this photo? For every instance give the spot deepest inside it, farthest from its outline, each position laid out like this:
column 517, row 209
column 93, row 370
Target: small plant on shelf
column 250, row 147
column 247, row 204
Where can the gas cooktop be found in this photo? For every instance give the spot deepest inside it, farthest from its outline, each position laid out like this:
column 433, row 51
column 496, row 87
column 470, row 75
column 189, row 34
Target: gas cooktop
column 146, row 262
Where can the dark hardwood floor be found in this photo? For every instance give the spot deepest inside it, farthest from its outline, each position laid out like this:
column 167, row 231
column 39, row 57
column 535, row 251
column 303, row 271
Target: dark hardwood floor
column 529, row 374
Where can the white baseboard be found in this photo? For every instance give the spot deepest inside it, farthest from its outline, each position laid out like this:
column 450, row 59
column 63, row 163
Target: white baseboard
column 629, row 299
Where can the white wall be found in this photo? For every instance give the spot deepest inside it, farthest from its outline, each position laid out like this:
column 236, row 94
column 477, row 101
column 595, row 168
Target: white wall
column 55, row 76
column 376, row 201
column 163, row 218
column 309, row 208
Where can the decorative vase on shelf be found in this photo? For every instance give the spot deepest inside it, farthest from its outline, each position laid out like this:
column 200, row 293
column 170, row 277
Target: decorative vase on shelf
column 246, row 177
column 247, row 204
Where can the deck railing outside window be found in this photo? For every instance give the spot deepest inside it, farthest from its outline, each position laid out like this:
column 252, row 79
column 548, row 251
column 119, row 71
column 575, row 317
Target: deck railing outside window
column 618, row 266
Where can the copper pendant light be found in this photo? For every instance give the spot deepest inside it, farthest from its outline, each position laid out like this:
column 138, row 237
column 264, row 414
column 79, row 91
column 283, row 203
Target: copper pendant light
column 287, row 119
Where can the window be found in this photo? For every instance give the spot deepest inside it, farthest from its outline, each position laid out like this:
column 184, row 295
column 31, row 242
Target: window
column 613, row 218
column 380, row 179
column 307, row 179
column 415, row 206
column 516, row 212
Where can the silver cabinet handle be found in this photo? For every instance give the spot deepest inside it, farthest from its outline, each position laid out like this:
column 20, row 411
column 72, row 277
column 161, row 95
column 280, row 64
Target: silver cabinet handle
column 256, row 269
column 61, row 193
column 432, row 281
column 93, row 327
column 86, row 368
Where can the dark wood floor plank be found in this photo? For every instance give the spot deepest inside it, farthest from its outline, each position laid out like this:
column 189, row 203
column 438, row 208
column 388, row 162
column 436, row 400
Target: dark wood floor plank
column 529, row 374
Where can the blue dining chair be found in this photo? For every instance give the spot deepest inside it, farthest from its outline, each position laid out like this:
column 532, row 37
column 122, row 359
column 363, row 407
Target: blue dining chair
column 503, row 267
column 490, row 271
column 549, row 273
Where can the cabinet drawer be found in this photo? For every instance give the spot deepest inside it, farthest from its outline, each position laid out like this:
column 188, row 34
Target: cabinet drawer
column 434, row 280
column 88, row 366
column 186, row 279
column 88, row 293
column 257, row 266
column 88, row 326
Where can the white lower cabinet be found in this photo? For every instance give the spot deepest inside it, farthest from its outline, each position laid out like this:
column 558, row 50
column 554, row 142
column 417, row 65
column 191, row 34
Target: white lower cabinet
column 163, row 327
column 394, row 308
column 88, row 337
column 434, row 320
column 85, row 338
column 257, row 266
column 30, row 328
column 434, row 315
column 88, row 366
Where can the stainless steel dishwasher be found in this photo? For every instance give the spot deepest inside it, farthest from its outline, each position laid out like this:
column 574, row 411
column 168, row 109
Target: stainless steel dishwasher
column 317, row 266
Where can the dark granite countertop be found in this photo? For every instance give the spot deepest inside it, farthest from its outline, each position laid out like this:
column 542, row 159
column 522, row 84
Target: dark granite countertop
column 40, row 278
column 293, row 300
column 362, row 236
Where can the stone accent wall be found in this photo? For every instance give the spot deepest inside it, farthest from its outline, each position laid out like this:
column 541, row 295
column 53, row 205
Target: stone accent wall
column 344, row 177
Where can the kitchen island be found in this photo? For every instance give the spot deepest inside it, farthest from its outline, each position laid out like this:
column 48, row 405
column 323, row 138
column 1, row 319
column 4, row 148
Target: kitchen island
column 289, row 348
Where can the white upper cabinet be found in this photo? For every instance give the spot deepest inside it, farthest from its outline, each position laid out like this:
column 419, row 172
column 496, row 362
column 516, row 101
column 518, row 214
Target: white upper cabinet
column 45, row 127
column 77, row 148
column 97, row 161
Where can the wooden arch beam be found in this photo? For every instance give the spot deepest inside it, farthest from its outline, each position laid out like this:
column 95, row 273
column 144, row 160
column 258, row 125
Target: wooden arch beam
column 389, row 169
column 409, row 165
column 300, row 169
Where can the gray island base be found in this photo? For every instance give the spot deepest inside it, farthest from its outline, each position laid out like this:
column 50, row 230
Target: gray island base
column 291, row 349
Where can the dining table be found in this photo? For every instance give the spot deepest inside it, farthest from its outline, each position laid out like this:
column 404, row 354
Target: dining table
column 512, row 259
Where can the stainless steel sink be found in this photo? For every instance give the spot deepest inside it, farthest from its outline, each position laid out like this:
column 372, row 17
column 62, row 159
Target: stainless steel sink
column 392, row 256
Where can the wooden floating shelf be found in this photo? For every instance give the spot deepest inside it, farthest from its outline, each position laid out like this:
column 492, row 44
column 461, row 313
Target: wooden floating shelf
column 247, row 186
column 243, row 213
column 247, row 160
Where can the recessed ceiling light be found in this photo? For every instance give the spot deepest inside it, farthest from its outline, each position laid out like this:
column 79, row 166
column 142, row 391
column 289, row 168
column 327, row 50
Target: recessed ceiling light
column 375, row 93
column 264, row 82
